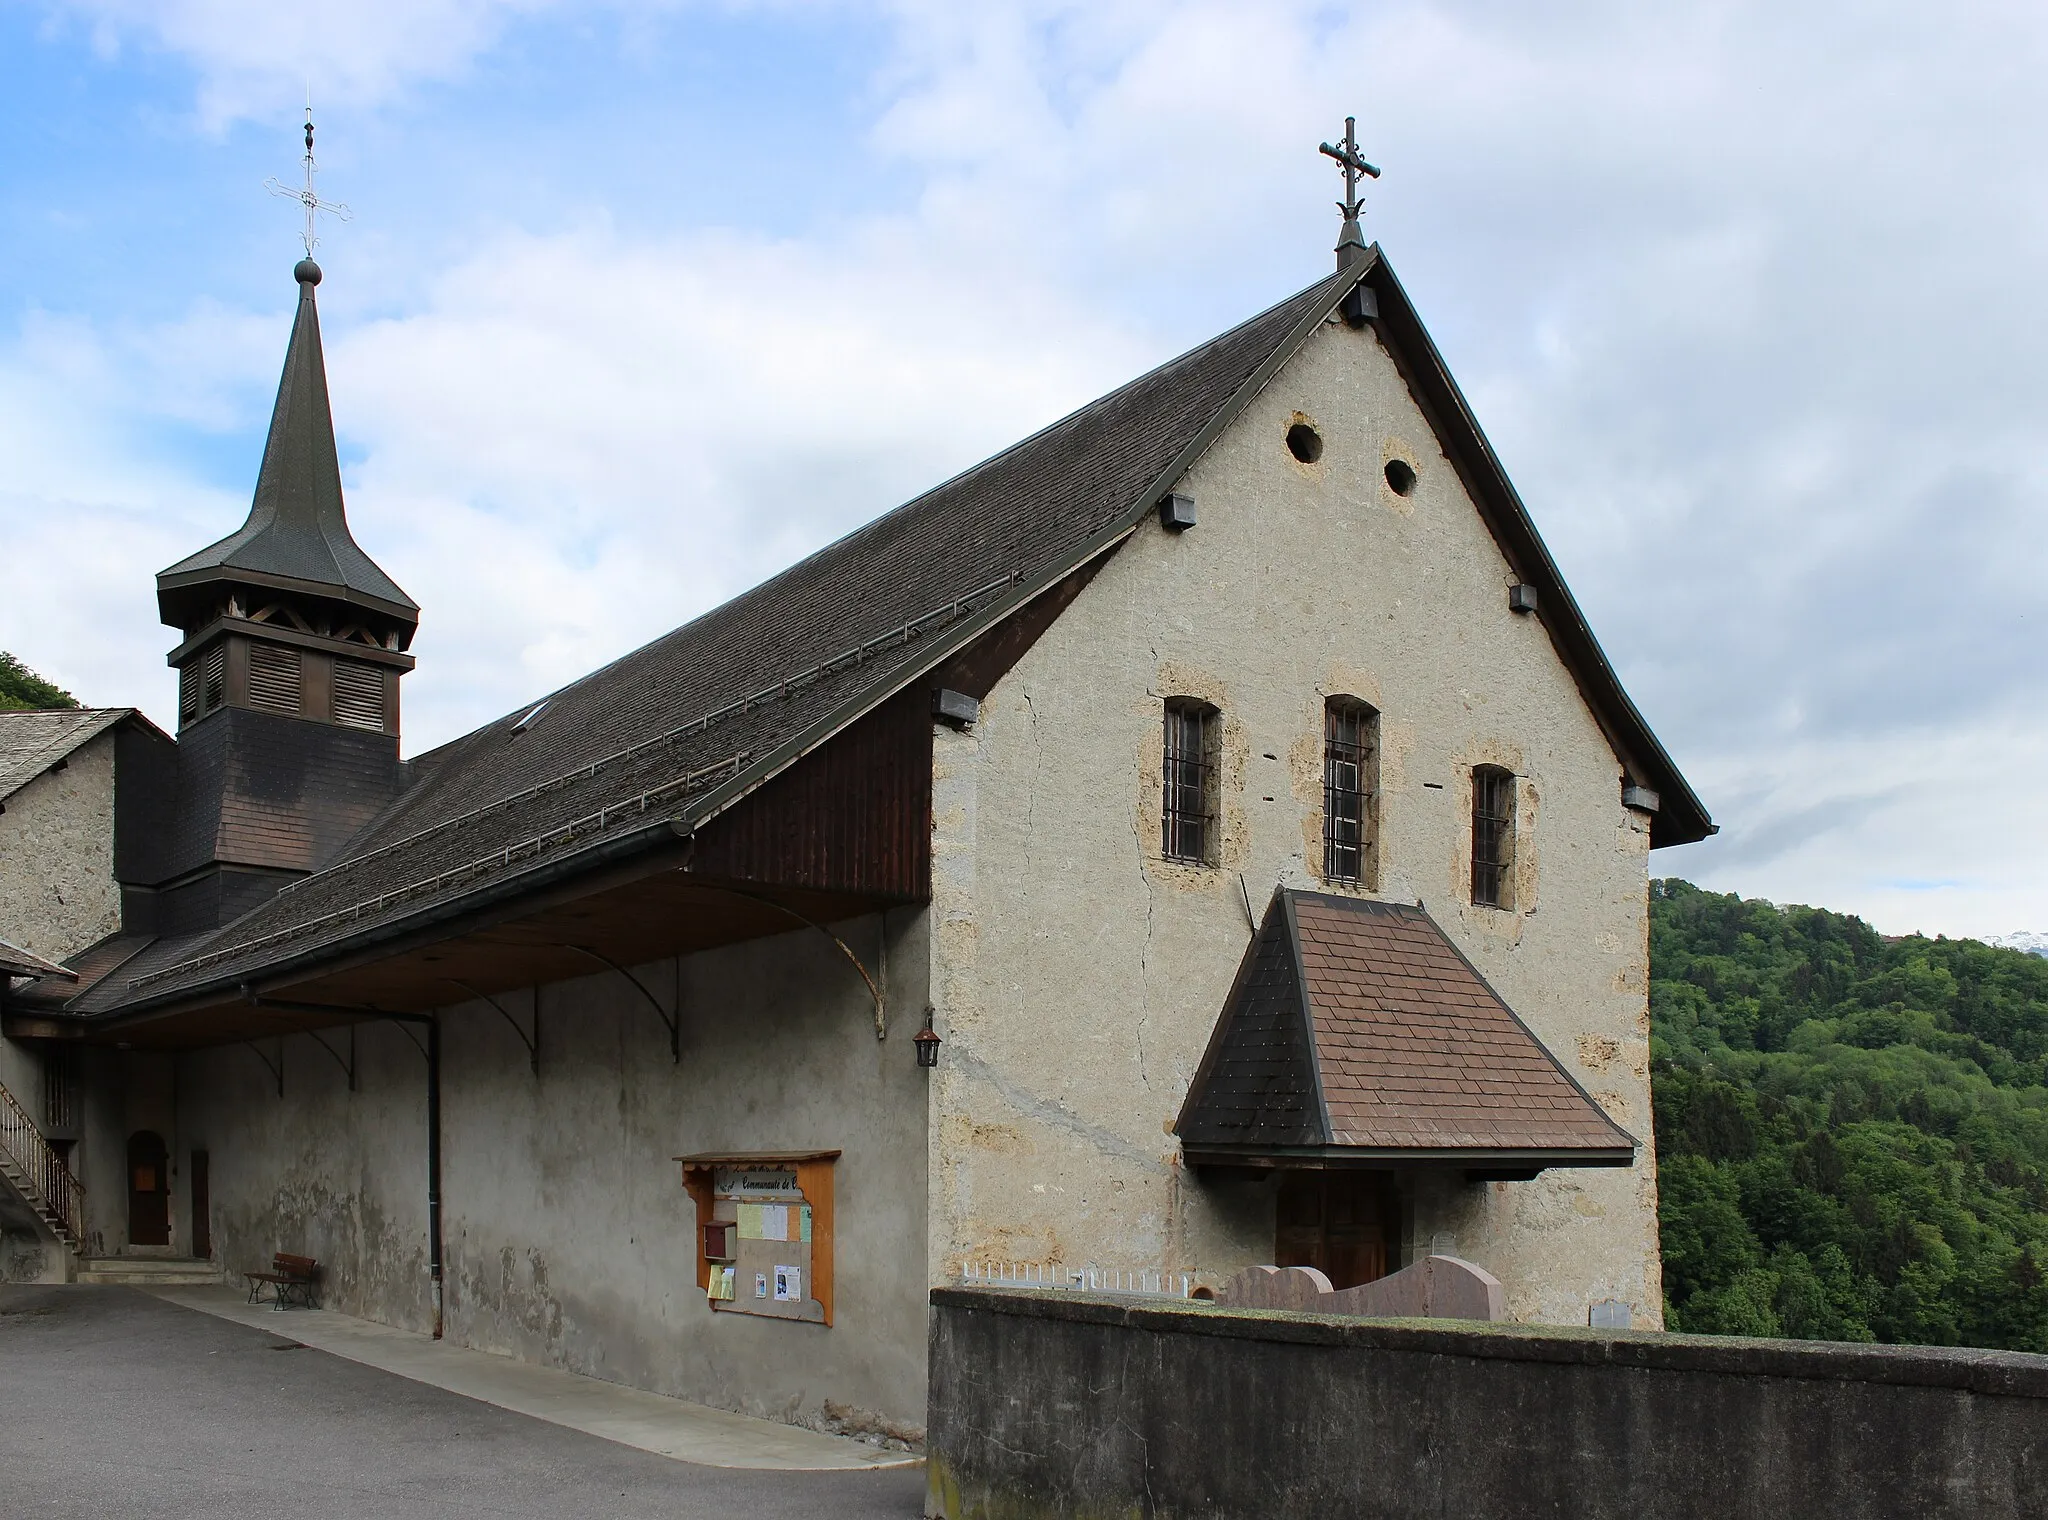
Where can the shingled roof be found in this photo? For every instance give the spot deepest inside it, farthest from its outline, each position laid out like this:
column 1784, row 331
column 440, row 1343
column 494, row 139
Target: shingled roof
column 675, row 732
column 1357, row 1031
column 296, row 536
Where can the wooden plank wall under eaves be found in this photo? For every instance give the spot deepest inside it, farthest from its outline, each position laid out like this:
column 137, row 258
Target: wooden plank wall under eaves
column 853, row 815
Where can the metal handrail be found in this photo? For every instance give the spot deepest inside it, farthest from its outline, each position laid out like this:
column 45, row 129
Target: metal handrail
column 59, row 1192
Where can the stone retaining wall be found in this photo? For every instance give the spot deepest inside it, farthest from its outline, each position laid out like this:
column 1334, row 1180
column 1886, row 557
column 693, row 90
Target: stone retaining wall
column 1055, row 1403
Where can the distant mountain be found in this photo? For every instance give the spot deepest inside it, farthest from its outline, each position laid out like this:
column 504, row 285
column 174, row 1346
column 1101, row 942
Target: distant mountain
column 2030, row 940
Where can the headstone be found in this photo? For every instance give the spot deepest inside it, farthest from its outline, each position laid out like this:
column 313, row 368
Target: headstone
column 1610, row 1314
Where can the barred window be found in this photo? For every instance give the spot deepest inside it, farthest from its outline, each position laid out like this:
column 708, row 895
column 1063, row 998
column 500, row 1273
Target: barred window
column 60, row 1088
column 1493, row 836
column 358, row 694
column 1188, row 810
column 1350, row 785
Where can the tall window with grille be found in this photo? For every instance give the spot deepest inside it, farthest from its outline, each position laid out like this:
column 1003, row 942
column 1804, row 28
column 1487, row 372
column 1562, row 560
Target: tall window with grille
column 1350, row 782
column 1493, row 837
column 1189, row 806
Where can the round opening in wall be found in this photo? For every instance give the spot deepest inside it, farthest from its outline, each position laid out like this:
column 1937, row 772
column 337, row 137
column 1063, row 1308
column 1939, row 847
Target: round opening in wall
column 1304, row 443
column 1401, row 476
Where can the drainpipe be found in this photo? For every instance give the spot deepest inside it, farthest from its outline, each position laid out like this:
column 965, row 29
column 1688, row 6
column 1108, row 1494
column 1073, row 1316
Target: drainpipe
column 435, row 1249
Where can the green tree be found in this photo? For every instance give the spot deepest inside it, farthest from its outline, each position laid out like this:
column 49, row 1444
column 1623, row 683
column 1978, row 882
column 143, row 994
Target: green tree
column 1852, row 1131
column 22, row 689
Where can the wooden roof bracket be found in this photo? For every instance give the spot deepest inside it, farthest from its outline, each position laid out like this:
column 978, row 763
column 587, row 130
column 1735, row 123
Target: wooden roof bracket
column 275, row 1068
column 881, row 956
column 531, row 1042
column 348, row 1067
column 672, row 1022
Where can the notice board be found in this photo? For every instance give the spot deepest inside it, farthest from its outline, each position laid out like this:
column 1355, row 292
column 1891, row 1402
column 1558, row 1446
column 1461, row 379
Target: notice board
column 764, row 1232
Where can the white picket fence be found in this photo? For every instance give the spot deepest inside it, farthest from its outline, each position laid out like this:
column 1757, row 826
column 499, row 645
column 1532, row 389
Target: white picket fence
column 1145, row 1282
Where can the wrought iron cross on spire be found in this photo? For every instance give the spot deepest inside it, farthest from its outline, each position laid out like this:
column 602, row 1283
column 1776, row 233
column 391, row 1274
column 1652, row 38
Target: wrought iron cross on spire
column 1347, row 156
column 305, row 196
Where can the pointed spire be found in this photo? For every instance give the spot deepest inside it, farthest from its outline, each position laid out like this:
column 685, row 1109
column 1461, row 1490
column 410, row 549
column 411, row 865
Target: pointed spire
column 297, row 536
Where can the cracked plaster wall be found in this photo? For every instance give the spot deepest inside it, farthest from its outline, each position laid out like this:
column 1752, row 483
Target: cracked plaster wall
column 1078, row 975
column 570, row 1240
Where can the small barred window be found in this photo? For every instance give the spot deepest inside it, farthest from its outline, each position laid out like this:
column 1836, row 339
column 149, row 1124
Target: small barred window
column 1188, row 810
column 1493, row 837
column 1350, row 782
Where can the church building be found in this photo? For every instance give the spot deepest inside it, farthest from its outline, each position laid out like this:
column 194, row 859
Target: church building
column 1206, row 833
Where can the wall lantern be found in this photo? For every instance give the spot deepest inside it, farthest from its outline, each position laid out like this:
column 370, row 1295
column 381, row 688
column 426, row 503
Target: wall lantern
column 927, row 1043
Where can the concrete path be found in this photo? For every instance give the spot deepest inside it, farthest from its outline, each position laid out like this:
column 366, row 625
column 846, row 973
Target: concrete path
column 667, row 1427
column 115, row 1405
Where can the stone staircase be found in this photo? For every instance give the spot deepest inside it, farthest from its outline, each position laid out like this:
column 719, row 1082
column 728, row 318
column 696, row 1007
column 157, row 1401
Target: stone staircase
column 149, row 1272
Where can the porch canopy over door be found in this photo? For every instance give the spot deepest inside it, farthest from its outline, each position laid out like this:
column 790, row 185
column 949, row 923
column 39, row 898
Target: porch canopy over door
column 1357, row 1035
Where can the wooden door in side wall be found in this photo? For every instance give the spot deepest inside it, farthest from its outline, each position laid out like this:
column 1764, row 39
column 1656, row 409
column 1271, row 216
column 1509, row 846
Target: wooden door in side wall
column 1346, row 1224
column 149, row 1190
column 202, row 1207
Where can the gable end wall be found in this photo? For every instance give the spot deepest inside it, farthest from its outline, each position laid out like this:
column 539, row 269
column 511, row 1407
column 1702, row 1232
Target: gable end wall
column 1078, row 975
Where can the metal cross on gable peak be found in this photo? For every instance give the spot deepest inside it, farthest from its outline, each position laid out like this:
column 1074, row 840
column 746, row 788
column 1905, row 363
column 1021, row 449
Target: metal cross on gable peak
column 305, row 195
column 1348, row 158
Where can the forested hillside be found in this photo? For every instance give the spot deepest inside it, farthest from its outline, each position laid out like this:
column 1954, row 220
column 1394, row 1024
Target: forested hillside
column 1852, row 1133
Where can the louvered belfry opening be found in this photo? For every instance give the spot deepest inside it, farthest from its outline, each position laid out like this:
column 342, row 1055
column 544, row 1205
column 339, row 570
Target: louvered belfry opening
column 358, row 695
column 276, row 681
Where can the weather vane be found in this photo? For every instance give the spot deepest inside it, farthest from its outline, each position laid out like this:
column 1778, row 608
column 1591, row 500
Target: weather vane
column 305, row 196
column 1347, row 156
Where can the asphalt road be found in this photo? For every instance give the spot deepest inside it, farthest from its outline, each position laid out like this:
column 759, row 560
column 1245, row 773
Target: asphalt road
column 115, row 1404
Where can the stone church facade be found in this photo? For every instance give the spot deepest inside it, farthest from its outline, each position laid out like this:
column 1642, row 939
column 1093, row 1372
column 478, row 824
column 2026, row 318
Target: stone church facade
column 1220, row 789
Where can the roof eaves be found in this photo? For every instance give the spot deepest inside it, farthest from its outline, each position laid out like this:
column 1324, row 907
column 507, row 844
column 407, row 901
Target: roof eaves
column 16, row 961
column 592, row 856
column 1682, row 818
column 99, row 720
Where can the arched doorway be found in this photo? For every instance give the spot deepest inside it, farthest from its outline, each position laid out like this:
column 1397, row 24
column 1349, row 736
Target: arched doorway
column 149, row 1190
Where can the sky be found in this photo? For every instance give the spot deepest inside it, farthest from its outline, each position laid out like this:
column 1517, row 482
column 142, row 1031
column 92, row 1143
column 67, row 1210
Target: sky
column 639, row 301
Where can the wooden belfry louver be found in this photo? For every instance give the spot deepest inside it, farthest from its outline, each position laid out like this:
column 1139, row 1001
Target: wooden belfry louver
column 1357, row 1035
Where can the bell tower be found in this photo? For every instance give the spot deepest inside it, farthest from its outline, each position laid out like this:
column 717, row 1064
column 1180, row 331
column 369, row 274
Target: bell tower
column 293, row 646
column 287, row 614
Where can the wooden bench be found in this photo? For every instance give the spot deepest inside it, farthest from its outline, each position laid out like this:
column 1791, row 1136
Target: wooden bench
column 291, row 1280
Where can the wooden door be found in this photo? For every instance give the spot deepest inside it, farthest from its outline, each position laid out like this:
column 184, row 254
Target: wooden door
column 149, row 1190
column 202, row 1208
column 1346, row 1224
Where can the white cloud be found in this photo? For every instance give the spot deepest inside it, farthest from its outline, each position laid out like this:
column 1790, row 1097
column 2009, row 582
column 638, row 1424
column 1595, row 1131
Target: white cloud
column 255, row 56
column 1742, row 292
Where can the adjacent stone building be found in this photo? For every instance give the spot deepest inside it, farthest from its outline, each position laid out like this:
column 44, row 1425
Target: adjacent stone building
column 1205, row 833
